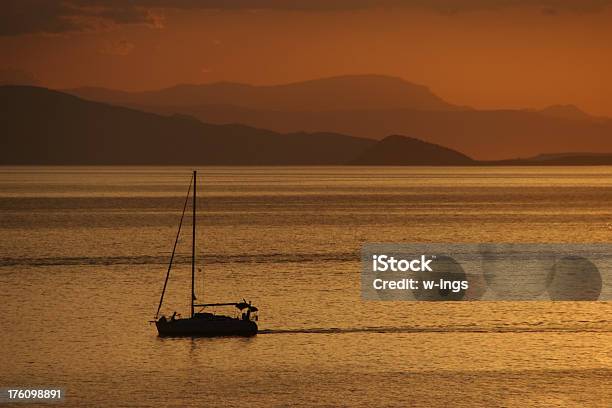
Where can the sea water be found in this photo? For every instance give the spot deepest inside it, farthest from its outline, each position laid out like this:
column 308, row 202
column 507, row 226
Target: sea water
column 84, row 251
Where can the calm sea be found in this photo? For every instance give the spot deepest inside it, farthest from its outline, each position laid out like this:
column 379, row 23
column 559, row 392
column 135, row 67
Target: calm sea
column 84, row 252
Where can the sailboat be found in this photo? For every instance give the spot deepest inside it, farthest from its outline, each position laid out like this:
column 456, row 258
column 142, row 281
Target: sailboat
column 200, row 322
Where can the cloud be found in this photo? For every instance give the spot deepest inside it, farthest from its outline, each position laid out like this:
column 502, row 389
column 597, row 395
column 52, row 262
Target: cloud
column 299, row 5
column 19, row 17
column 330, row 5
column 14, row 76
column 121, row 48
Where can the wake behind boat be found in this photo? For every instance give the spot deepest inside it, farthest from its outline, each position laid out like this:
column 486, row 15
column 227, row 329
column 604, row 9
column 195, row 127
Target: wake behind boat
column 202, row 323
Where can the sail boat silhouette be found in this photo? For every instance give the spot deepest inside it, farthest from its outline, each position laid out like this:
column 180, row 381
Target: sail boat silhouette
column 202, row 323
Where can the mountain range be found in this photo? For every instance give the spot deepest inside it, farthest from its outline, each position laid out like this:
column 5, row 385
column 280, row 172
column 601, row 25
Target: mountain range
column 359, row 92
column 42, row 126
column 375, row 106
column 47, row 127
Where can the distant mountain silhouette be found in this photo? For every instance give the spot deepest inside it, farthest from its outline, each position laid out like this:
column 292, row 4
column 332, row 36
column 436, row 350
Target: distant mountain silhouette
column 559, row 159
column 569, row 112
column 374, row 106
column 40, row 126
column 566, row 112
column 342, row 92
column 399, row 150
column 492, row 134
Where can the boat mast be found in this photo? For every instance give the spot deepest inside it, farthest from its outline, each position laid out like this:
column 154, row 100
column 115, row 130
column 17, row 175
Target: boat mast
column 178, row 235
column 193, row 241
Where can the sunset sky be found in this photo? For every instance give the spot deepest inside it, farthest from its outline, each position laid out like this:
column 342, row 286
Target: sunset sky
column 486, row 54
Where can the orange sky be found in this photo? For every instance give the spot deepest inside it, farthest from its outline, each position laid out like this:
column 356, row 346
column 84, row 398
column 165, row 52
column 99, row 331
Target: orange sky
column 519, row 56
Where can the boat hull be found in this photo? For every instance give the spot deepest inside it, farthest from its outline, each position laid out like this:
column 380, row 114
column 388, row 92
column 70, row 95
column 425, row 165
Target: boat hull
column 194, row 327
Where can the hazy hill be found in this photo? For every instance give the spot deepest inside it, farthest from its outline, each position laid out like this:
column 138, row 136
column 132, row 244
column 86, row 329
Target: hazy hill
column 342, row 92
column 559, row 159
column 492, row 134
column 40, row 126
column 399, row 150
column 566, row 112
column 374, row 107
